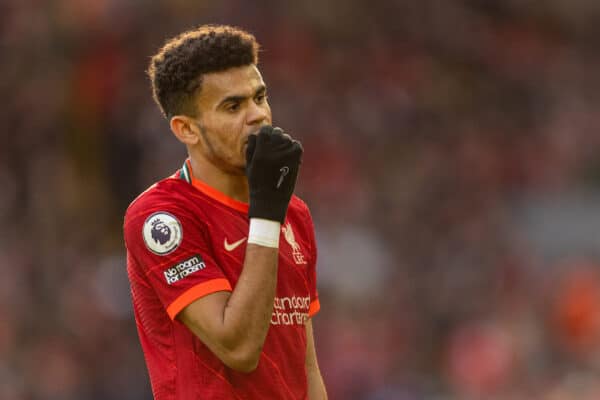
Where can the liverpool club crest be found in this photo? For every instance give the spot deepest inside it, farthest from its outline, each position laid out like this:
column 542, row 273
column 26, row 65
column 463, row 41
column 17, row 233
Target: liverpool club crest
column 288, row 233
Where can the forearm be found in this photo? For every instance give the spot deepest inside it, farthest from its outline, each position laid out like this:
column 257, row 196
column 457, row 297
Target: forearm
column 247, row 314
column 234, row 324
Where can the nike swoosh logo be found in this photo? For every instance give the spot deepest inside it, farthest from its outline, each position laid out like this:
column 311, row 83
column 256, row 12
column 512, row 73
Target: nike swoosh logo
column 234, row 245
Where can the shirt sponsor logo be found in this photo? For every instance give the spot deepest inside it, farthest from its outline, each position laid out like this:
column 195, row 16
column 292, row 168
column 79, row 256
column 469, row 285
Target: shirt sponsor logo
column 162, row 233
column 290, row 310
column 183, row 269
column 288, row 234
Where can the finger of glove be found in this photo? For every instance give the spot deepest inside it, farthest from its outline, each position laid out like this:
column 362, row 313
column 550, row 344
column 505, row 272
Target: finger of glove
column 280, row 132
column 264, row 135
column 263, row 141
column 286, row 149
column 274, row 149
column 298, row 146
column 279, row 137
column 277, row 131
column 295, row 151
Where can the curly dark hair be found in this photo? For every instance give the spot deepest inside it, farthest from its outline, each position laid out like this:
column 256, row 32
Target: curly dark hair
column 176, row 70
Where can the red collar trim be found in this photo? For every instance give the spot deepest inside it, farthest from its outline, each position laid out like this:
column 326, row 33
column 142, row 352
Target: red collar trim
column 214, row 193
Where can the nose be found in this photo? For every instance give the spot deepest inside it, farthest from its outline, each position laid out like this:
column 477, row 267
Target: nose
column 258, row 114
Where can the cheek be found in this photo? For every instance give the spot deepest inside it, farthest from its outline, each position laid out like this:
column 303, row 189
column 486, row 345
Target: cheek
column 232, row 134
column 234, row 130
column 220, row 130
column 228, row 140
column 225, row 132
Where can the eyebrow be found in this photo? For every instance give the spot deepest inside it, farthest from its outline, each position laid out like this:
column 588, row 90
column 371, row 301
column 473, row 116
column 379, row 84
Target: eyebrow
column 239, row 98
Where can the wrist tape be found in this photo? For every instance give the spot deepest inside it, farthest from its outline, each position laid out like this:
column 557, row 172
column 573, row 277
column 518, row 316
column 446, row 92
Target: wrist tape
column 264, row 232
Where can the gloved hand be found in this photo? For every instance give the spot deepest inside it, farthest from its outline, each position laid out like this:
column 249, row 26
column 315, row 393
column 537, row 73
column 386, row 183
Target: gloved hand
column 272, row 162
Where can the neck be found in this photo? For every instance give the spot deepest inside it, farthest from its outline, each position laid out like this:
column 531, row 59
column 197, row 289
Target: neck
column 231, row 185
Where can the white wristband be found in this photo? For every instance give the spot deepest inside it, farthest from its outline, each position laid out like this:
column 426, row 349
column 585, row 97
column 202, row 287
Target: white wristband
column 264, row 232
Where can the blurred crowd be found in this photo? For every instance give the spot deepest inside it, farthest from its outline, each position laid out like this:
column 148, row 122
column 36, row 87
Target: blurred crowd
column 443, row 141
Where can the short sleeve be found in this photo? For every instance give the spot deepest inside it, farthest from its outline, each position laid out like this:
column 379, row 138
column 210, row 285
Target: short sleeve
column 170, row 247
column 311, row 271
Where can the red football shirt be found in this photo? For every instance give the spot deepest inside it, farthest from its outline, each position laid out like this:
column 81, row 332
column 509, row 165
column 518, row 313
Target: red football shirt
column 185, row 240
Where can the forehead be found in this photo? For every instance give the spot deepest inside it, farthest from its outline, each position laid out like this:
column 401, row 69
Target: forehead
column 238, row 81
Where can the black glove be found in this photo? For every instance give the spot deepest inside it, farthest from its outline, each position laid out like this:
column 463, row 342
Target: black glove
column 272, row 163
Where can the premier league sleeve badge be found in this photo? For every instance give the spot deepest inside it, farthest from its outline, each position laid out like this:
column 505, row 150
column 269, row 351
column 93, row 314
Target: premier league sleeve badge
column 162, row 233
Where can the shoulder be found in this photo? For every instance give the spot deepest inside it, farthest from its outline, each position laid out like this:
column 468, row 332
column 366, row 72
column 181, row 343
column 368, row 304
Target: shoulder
column 167, row 193
column 168, row 197
column 159, row 216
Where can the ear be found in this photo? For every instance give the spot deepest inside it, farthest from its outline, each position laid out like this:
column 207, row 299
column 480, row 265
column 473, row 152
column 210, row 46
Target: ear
column 185, row 129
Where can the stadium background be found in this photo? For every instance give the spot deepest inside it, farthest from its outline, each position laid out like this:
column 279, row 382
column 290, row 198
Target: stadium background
column 452, row 165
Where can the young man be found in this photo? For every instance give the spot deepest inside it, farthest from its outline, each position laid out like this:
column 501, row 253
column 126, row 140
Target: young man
column 221, row 256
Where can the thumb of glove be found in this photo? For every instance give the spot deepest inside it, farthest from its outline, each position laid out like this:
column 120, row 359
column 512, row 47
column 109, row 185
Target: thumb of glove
column 250, row 147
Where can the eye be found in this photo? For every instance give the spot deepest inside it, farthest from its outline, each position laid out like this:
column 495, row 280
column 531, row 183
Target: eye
column 233, row 107
column 260, row 98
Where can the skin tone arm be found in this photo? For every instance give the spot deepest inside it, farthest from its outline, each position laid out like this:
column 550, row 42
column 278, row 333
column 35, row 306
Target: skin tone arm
column 316, row 387
column 234, row 325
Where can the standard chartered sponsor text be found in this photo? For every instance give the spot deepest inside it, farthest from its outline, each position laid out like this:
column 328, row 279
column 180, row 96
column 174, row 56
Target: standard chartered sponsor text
column 290, row 310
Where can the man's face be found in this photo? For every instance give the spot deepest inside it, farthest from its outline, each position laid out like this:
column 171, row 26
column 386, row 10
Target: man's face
column 232, row 105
